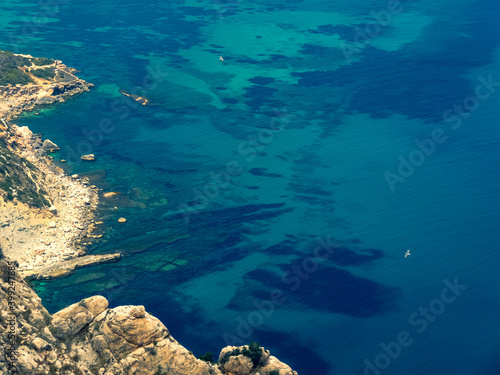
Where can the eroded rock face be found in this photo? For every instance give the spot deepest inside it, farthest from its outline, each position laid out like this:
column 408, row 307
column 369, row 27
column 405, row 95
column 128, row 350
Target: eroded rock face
column 89, row 338
column 239, row 365
column 131, row 341
column 69, row 321
column 127, row 328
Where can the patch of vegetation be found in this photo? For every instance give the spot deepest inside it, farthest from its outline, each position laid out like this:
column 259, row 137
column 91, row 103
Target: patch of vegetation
column 150, row 350
column 13, row 76
column 9, row 69
column 46, row 73
column 11, row 72
column 15, row 181
column 40, row 61
column 253, row 351
column 274, row 372
column 208, row 357
column 7, row 57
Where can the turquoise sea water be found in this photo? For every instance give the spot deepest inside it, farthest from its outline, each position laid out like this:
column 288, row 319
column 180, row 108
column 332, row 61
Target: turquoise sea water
column 312, row 135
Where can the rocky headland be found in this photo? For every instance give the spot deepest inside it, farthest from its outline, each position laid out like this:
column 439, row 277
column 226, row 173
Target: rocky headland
column 88, row 337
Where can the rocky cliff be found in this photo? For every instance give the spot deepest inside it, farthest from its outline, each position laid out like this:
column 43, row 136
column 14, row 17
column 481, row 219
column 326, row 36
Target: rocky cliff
column 90, row 338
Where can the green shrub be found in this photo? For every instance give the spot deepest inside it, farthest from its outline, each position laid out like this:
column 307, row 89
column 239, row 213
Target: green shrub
column 40, row 61
column 9, row 69
column 254, row 352
column 10, row 59
column 14, row 176
column 45, row 73
column 13, row 76
column 274, row 372
column 207, row 357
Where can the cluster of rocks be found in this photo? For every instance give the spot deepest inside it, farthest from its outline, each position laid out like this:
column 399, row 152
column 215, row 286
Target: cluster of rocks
column 90, row 338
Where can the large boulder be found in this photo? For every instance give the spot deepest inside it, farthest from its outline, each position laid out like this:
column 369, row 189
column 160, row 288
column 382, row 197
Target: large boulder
column 240, row 365
column 41, row 345
column 131, row 341
column 126, row 328
column 45, row 100
column 48, row 145
column 24, row 132
column 71, row 320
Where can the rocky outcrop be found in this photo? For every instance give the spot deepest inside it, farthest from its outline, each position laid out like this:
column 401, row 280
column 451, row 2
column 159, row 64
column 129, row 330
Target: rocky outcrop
column 71, row 320
column 17, row 99
column 67, row 267
column 50, row 146
column 90, row 338
column 239, row 364
column 89, row 157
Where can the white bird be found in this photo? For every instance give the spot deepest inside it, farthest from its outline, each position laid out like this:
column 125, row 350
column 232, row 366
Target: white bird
column 407, row 253
column 220, row 58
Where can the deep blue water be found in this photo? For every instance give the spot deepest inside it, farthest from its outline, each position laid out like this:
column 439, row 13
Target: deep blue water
column 308, row 137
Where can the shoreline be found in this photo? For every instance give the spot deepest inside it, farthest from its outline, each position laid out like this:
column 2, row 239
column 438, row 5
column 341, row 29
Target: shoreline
column 50, row 241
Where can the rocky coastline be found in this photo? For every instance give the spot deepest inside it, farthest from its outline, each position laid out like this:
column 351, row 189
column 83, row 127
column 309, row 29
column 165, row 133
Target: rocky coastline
column 44, row 240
